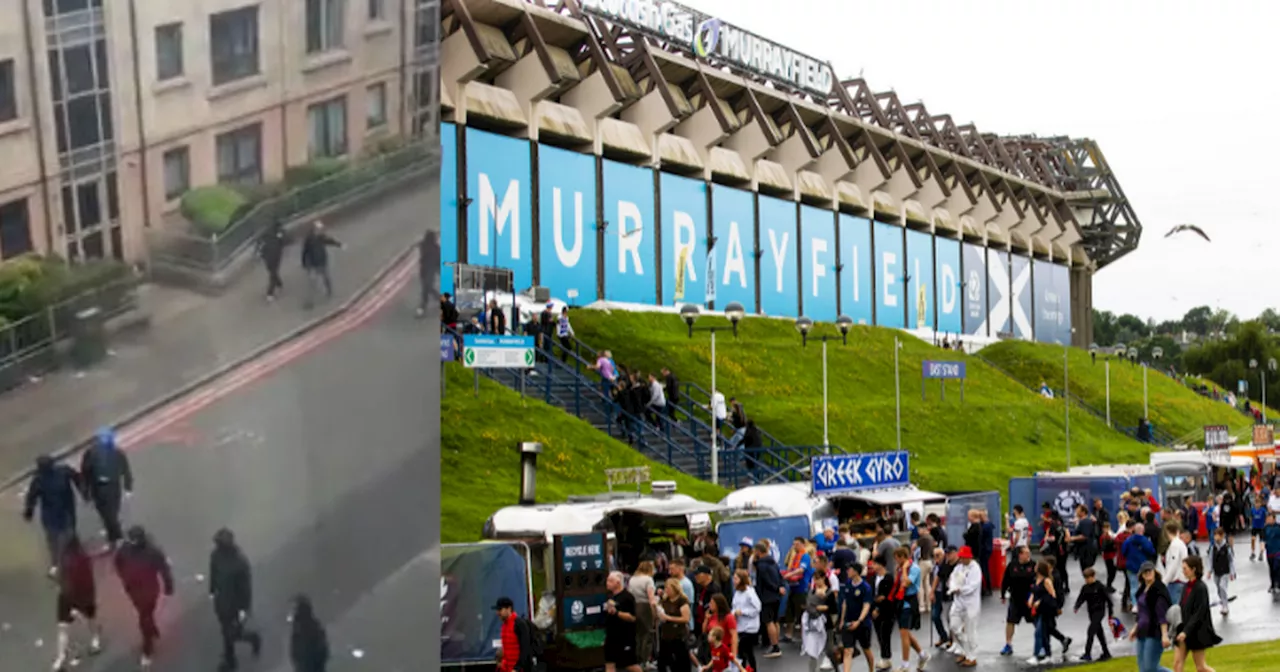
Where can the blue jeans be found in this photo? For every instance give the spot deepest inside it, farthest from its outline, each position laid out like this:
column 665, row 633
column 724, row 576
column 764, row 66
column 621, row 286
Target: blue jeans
column 1149, row 650
column 1175, row 592
column 1042, row 645
column 1133, row 586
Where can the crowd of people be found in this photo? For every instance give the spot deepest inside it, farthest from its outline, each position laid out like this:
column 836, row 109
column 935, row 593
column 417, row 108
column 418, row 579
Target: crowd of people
column 105, row 480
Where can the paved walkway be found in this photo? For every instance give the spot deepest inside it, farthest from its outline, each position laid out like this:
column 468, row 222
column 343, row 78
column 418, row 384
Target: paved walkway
column 192, row 335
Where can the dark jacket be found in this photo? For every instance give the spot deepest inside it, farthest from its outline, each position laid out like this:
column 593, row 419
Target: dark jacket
column 1018, row 581
column 1098, row 600
column 315, row 250
column 53, row 488
column 1197, row 622
column 144, row 570
column 769, row 583
column 1157, row 605
column 973, row 537
column 271, row 246
column 230, row 580
column 105, row 471
column 672, row 385
column 308, row 643
column 751, row 437
column 988, row 538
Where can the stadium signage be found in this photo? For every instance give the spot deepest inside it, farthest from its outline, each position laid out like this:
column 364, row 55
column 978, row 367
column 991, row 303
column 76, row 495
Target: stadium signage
column 708, row 37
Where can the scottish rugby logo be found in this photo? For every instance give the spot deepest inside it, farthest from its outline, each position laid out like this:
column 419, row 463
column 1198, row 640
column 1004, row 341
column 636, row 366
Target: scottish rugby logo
column 1066, row 502
column 706, row 38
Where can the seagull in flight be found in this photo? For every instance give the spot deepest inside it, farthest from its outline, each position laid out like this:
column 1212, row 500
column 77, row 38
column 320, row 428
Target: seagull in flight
column 1188, row 227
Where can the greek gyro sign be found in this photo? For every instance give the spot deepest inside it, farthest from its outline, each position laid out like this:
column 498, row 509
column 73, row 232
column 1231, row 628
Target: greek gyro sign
column 708, row 37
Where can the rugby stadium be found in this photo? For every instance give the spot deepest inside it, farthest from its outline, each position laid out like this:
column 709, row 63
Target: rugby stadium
column 642, row 152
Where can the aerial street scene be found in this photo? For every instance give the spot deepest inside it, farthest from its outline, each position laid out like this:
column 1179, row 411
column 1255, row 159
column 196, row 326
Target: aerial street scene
column 773, row 337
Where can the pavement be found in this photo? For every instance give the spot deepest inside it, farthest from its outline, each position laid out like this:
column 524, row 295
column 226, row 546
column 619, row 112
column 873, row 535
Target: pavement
column 1253, row 618
column 192, row 335
column 317, row 459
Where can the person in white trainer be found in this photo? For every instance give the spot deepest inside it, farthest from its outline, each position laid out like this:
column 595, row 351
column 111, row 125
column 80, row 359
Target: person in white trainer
column 965, row 587
column 77, row 597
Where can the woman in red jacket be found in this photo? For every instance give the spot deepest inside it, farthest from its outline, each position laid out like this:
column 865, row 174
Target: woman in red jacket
column 77, row 596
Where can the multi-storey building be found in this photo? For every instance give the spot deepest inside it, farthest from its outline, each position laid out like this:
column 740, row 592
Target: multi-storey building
column 110, row 110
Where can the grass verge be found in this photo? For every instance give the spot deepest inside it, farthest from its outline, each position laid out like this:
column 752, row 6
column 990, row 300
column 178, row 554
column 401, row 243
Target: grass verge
column 1229, row 658
column 480, row 471
column 999, row 431
column 1174, row 408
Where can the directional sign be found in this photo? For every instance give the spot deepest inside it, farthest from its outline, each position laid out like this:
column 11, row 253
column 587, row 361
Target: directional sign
column 1217, row 436
column 835, row 474
column 943, row 370
column 498, row 352
column 1264, row 435
column 447, row 344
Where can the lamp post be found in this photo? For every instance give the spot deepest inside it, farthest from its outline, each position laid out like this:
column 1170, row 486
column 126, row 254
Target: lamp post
column 1157, row 354
column 1271, row 365
column 897, row 390
column 1066, row 397
column 804, row 325
column 735, row 312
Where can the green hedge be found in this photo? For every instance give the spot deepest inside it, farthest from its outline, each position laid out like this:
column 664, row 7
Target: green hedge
column 30, row 283
column 211, row 209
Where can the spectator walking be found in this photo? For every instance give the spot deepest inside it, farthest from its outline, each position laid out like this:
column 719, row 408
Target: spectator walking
column 449, row 312
column 315, row 262
column 883, row 615
column 53, row 489
column 1195, row 633
column 985, row 550
column 1174, row 554
column 719, row 413
column 1019, row 580
column 564, row 330
column 517, row 652
column 1213, row 515
column 231, row 587
column 746, row 611
column 608, row 371
column 1107, row 545
column 907, row 585
column 1222, row 563
column 816, row 624
column 548, row 325
column 798, row 574
column 671, row 385
column 854, row 622
column 1044, row 603
column 1020, row 530
column 1152, row 628
column 271, row 250
column 657, row 406
column 145, row 574
column 771, row 590
column 1271, row 545
column 1085, row 538
column 965, row 587
column 308, row 642
column 1094, row 597
column 674, row 620
column 737, row 414
column 620, row 627
column 944, row 561
column 1258, row 516
column 77, row 597
column 107, row 481
column 645, row 592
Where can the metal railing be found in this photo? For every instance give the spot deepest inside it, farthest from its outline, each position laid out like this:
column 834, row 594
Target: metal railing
column 27, row 345
column 212, row 253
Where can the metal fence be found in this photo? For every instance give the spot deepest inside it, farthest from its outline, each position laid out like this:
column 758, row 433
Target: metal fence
column 359, row 178
column 27, row 345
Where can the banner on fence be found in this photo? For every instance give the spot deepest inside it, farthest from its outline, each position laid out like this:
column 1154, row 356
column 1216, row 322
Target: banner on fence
column 472, row 578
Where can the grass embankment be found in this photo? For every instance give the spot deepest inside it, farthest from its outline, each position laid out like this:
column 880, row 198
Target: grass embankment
column 479, row 468
column 1232, row 658
column 1001, row 430
column 1174, row 408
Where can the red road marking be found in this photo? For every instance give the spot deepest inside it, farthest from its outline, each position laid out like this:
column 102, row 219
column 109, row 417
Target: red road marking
column 147, row 427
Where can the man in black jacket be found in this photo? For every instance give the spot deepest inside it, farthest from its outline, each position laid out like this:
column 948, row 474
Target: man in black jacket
column 1019, row 579
column 271, row 248
column 315, row 261
column 107, row 479
column 1095, row 595
column 231, row 587
column 672, row 386
column 144, row 571
column 771, row 590
column 428, row 272
column 53, row 488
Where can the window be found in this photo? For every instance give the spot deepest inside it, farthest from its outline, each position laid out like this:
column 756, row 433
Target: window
column 377, row 10
column 15, row 229
column 325, row 25
column 233, row 44
column 240, row 155
column 177, row 173
column 327, row 123
column 8, row 93
column 425, row 24
column 376, row 105
column 169, row 51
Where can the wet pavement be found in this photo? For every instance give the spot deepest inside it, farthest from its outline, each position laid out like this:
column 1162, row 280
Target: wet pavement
column 1253, row 618
column 320, row 470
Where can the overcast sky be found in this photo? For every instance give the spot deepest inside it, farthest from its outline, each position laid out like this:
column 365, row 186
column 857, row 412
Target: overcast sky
column 1150, row 81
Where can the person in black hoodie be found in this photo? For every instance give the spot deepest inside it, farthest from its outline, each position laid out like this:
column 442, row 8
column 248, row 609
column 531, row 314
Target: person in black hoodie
column 144, row 572
column 271, row 249
column 1019, row 579
column 428, row 272
column 671, row 385
column 231, row 587
column 308, row 643
column 771, row 589
column 77, row 596
column 315, row 261
column 107, row 479
column 1095, row 595
column 53, row 488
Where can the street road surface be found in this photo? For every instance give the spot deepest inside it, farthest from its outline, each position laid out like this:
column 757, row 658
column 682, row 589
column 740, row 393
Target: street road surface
column 319, row 468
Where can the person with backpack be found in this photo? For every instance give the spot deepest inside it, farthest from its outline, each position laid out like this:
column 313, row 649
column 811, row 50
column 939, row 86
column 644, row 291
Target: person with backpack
column 108, row 480
column 518, row 639
column 53, row 489
column 1222, row 564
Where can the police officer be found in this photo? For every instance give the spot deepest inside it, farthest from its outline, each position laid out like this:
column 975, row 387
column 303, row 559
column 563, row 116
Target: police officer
column 107, row 481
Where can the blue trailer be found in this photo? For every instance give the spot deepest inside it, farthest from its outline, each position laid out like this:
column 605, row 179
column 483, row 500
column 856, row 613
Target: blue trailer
column 1064, row 491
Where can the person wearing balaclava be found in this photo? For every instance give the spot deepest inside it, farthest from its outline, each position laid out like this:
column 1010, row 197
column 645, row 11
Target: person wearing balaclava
column 107, row 481
column 53, row 489
column 144, row 573
column 231, row 587
column 308, row 643
column 77, row 600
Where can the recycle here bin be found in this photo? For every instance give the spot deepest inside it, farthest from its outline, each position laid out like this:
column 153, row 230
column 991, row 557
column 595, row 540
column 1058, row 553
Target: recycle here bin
column 995, row 567
column 88, row 338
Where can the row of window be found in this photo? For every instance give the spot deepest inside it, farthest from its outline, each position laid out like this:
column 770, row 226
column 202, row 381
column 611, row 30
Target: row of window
column 87, row 223
column 239, row 152
column 234, row 42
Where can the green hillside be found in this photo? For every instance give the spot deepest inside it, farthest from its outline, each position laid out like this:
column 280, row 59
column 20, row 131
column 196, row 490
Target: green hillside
column 1174, row 408
column 1227, row 657
column 1001, row 430
column 480, row 470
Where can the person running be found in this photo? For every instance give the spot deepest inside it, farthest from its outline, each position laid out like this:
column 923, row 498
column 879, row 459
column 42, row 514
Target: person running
column 53, row 488
column 1258, row 515
column 1043, row 603
column 315, row 262
column 308, row 642
column 77, row 597
column 674, row 619
column 107, row 479
column 1094, row 596
column 271, row 250
column 854, row 623
column 231, row 587
column 1195, row 634
column 906, row 593
column 746, row 611
column 1019, row 579
column 1151, row 631
column 144, row 572
column 965, row 587
column 1222, row 563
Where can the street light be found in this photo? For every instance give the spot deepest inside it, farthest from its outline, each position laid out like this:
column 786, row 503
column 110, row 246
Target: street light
column 804, row 325
column 1066, row 397
column 1093, row 353
column 735, row 312
column 1156, row 353
column 1133, row 355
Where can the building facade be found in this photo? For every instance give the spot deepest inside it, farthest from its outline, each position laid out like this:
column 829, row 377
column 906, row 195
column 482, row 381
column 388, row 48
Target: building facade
column 110, row 110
